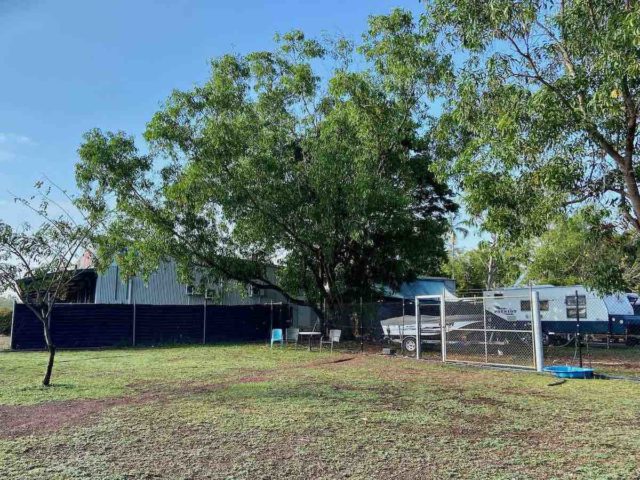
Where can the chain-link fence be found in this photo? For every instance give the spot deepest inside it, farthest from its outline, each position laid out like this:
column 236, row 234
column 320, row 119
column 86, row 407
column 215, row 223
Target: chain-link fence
column 583, row 329
column 474, row 332
column 497, row 328
column 486, row 330
column 359, row 324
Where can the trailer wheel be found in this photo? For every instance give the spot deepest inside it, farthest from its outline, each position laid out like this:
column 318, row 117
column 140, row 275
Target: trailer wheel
column 558, row 341
column 409, row 344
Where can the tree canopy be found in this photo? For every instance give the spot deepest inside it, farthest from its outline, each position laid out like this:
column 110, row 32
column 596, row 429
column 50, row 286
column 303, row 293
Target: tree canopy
column 329, row 160
column 583, row 248
column 489, row 265
column 544, row 110
column 292, row 157
column 540, row 118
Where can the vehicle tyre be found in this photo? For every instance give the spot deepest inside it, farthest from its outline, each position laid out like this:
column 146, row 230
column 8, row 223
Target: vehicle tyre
column 409, row 344
column 632, row 341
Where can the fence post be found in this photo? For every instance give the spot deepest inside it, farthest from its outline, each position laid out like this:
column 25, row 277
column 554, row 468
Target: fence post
column 537, row 331
column 204, row 323
column 13, row 326
column 133, row 336
column 361, row 328
column 578, row 336
column 484, row 327
column 417, row 327
column 270, row 320
column 443, row 327
column 402, row 331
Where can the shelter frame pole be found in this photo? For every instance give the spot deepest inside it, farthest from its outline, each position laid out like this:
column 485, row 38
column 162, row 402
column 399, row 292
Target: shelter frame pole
column 402, row 331
column 484, row 319
column 361, row 328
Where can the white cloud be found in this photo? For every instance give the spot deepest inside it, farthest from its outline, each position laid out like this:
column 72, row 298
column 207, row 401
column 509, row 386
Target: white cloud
column 6, row 156
column 14, row 138
column 11, row 143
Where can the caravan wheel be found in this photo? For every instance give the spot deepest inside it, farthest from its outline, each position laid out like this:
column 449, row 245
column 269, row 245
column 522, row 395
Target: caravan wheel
column 409, row 344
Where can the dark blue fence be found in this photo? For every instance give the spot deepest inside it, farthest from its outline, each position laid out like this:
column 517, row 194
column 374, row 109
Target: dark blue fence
column 103, row 325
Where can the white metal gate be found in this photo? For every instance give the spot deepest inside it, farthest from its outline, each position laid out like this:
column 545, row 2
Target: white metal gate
column 484, row 330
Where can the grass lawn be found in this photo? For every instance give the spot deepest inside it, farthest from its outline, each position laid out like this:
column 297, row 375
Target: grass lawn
column 247, row 412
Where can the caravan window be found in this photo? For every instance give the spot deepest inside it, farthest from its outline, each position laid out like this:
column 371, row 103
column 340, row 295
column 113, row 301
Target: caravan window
column 573, row 309
column 525, row 305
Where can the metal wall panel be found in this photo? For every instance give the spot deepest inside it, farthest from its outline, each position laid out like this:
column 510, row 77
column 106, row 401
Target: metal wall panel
column 164, row 288
column 111, row 325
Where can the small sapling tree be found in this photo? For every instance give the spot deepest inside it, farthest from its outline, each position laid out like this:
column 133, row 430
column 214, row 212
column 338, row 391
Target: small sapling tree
column 39, row 265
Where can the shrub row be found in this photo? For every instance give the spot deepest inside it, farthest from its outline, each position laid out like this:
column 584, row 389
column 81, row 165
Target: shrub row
column 5, row 321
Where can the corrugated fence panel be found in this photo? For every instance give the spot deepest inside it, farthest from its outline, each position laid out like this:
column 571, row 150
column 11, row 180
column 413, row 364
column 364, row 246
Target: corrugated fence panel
column 112, row 325
column 91, row 325
column 169, row 324
column 244, row 322
column 27, row 332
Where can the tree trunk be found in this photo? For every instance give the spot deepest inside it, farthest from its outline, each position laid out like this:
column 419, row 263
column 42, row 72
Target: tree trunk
column 632, row 194
column 47, row 376
column 490, row 273
column 46, row 381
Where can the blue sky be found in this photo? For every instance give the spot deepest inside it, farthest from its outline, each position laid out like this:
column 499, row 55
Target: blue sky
column 69, row 66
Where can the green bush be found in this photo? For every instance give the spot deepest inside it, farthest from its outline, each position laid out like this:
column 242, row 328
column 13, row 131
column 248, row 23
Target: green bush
column 5, row 321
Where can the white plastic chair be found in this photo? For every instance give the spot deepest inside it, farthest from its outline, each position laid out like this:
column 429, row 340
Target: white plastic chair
column 334, row 337
column 292, row 335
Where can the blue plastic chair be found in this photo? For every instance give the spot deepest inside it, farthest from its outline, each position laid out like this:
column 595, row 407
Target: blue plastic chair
column 276, row 336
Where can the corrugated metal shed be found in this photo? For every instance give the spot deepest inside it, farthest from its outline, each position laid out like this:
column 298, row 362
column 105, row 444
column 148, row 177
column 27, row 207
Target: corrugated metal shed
column 164, row 288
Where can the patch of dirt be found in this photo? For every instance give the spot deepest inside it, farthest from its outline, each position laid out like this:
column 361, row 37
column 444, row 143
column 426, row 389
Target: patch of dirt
column 22, row 420
column 324, row 363
column 252, row 379
column 484, row 401
column 340, row 360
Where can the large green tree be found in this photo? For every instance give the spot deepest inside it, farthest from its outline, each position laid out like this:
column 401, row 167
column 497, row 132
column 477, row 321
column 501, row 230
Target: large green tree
column 542, row 117
column 583, row 249
column 545, row 109
column 491, row 264
column 292, row 157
